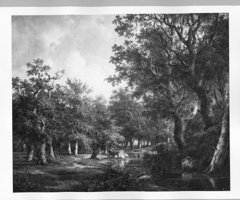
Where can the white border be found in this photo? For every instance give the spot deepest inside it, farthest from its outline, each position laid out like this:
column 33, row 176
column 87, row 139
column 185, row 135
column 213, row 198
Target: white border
column 5, row 102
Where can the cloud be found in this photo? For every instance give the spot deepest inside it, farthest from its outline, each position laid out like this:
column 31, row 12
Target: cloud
column 76, row 66
column 79, row 44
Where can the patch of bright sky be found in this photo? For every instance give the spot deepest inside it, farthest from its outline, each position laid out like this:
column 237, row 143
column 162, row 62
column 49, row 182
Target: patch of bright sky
column 81, row 45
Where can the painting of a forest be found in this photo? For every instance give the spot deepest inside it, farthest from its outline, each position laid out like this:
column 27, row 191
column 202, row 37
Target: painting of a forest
column 135, row 102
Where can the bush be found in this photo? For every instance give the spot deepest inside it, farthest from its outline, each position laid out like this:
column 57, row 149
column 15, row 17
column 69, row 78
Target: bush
column 21, row 183
column 115, row 179
column 166, row 163
column 201, row 147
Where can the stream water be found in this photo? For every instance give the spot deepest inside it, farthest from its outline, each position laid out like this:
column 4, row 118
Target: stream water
column 185, row 181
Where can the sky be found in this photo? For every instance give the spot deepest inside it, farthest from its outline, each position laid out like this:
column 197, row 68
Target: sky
column 79, row 44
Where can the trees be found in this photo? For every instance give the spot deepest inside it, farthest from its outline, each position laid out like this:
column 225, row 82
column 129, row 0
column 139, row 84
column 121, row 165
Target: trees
column 134, row 118
column 176, row 66
column 76, row 112
column 127, row 113
column 105, row 132
column 46, row 114
column 220, row 161
column 33, row 109
column 172, row 60
column 145, row 67
column 189, row 44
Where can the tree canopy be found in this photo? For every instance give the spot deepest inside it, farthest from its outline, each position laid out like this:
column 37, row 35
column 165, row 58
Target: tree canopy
column 177, row 63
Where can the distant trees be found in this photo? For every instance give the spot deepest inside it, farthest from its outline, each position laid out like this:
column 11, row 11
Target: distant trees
column 175, row 62
column 76, row 112
column 131, row 115
column 106, row 131
column 124, row 110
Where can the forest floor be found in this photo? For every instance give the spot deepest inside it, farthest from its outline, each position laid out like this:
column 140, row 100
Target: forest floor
column 67, row 173
column 80, row 173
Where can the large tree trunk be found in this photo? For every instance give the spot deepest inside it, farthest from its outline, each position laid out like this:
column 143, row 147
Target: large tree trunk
column 220, row 159
column 69, row 148
column 205, row 106
column 76, row 148
column 51, row 152
column 41, row 153
column 29, row 153
column 178, row 133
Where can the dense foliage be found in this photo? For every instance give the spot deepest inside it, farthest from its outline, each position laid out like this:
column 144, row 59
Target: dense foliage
column 178, row 65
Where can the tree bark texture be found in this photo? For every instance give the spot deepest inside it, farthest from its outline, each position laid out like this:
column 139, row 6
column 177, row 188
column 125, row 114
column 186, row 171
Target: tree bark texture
column 41, row 153
column 205, row 106
column 220, row 159
column 178, row 133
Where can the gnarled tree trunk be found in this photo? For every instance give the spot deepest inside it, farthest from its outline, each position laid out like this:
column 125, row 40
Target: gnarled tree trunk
column 205, row 106
column 178, row 133
column 220, row 159
column 41, row 153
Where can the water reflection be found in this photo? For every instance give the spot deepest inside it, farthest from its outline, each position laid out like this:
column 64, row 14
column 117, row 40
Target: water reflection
column 128, row 162
column 193, row 182
column 186, row 181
